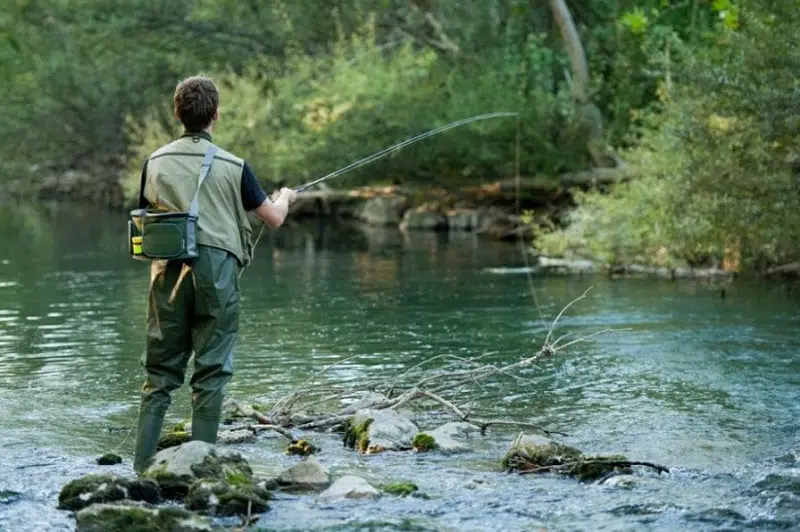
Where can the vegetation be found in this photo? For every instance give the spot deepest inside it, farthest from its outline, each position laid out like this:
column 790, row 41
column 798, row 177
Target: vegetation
column 699, row 98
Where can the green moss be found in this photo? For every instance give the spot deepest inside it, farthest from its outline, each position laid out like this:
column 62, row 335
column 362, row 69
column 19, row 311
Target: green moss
column 123, row 518
column 172, row 439
column 357, row 436
column 179, row 427
column 400, row 489
column 69, row 498
column 237, row 478
column 91, row 489
column 423, row 442
column 109, row 459
column 223, row 499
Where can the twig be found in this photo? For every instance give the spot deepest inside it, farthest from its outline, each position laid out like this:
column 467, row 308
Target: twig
column 277, row 428
column 553, row 326
column 483, row 424
column 619, row 463
column 264, row 421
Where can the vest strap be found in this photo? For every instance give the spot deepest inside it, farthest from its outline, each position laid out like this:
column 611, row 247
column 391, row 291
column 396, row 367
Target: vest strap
column 194, row 209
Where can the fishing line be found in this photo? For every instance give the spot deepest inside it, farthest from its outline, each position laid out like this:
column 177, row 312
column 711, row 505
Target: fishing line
column 390, row 149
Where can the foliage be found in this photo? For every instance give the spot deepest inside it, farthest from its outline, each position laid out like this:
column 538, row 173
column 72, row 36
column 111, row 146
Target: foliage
column 710, row 180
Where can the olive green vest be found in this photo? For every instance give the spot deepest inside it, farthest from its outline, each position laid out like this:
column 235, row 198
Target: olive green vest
column 172, row 173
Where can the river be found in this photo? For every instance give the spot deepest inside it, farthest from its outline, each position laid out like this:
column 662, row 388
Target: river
column 704, row 384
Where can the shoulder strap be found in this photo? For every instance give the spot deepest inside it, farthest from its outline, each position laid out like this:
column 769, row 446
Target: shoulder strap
column 207, row 160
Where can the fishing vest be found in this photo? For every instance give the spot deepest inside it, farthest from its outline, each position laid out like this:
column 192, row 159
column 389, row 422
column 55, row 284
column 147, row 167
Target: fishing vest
column 171, row 182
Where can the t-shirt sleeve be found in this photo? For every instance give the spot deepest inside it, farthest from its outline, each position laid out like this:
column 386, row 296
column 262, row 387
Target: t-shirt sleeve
column 252, row 193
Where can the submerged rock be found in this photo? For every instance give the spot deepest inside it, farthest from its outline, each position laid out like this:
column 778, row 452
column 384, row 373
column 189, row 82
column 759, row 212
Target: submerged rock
column 349, row 487
column 8, row 496
column 453, row 437
column 307, row 475
column 109, row 459
column 177, row 468
column 541, row 455
column 131, row 517
column 227, row 498
column 232, row 437
column 85, row 491
column 374, row 431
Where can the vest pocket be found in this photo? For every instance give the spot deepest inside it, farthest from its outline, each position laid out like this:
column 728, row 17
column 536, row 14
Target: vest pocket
column 164, row 239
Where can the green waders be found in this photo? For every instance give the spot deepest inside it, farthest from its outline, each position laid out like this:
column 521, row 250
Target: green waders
column 194, row 307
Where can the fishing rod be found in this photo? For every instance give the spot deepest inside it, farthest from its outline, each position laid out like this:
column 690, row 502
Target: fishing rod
column 399, row 145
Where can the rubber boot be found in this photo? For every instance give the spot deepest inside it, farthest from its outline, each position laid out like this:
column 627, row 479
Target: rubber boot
column 206, row 414
column 147, row 434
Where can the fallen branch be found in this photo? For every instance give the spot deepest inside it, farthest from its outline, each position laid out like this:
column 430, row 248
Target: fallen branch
column 264, row 421
column 569, row 465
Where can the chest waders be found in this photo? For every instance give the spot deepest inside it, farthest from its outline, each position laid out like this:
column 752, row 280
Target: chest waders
column 193, row 309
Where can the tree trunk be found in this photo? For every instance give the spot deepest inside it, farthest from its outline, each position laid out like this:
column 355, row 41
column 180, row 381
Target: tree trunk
column 591, row 120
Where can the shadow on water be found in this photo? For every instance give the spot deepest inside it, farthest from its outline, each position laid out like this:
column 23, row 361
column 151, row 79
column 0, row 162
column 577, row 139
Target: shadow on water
column 705, row 385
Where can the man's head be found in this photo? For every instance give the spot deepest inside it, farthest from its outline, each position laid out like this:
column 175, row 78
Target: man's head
column 196, row 100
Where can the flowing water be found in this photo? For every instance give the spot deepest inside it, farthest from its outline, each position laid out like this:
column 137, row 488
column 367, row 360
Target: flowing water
column 704, row 384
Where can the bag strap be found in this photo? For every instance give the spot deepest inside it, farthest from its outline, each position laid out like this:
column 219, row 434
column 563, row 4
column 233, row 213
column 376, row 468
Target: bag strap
column 194, row 209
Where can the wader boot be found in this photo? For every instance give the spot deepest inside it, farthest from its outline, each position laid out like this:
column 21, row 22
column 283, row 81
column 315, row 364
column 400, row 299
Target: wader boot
column 194, row 306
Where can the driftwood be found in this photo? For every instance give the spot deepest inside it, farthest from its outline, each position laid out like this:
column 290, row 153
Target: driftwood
column 443, row 387
column 560, row 468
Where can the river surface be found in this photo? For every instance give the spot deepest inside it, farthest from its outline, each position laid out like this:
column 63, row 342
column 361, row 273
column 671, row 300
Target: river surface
column 705, row 385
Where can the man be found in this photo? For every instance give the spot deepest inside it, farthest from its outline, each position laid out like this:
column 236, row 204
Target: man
column 194, row 304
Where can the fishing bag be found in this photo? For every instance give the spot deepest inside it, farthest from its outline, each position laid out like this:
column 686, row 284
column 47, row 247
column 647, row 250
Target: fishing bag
column 158, row 234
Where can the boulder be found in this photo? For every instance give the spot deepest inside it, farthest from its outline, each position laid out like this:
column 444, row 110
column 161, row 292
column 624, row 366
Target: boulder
column 177, row 468
column 453, row 437
column 463, row 220
column 530, row 452
column 382, row 210
column 123, row 517
column 85, row 491
column 227, row 498
column 349, row 487
column 109, row 459
column 424, row 219
column 367, row 400
column 373, row 431
column 308, row 475
column 232, row 437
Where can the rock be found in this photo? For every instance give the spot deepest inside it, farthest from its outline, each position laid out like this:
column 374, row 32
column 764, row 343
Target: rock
column 452, row 437
column 621, row 481
column 173, row 439
column 373, row 431
column 226, row 499
column 462, row 220
column 423, row 218
column 8, row 496
column 109, row 459
column 307, row 475
column 130, row 517
column 349, row 487
column 367, row 400
column 529, row 452
column 177, row 468
column 301, row 447
column 382, row 210
column 232, row 437
column 85, row 491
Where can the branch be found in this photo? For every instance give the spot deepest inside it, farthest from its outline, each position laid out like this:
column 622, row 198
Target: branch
column 620, row 463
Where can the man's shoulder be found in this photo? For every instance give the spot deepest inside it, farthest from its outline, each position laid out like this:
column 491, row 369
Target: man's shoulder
column 226, row 156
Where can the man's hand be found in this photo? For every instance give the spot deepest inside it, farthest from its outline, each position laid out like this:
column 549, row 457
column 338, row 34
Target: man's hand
column 274, row 212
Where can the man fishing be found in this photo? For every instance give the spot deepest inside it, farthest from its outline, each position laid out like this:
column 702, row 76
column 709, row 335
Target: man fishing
column 194, row 303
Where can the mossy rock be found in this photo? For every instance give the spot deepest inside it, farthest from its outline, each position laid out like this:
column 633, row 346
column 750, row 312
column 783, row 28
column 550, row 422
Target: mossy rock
column 224, row 499
column 593, row 467
column 356, row 435
column 136, row 518
column 84, row 491
column 175, row 470
column 423, row 443
column 109, row 459
column 173, row 439
column 400, row 489
column 530, row 453
column 301, row 448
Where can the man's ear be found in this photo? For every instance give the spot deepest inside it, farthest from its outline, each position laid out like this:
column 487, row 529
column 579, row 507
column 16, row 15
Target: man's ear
column 175, row 112
column 216, row 115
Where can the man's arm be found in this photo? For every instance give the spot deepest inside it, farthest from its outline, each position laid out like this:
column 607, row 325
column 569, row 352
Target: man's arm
column 255, row 200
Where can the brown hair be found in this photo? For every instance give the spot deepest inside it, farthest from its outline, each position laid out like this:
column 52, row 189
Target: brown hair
column 196, row 100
